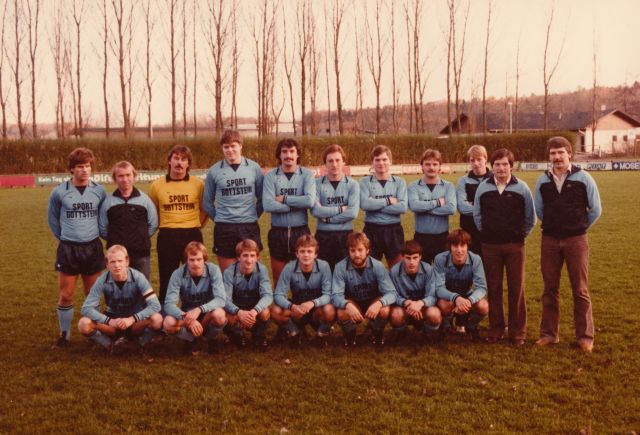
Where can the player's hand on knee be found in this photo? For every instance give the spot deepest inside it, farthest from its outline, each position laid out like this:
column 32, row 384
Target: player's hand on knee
column 193, row 314
column 463, row 305
column 196, row 328
column 354, row 313
column 373, row 310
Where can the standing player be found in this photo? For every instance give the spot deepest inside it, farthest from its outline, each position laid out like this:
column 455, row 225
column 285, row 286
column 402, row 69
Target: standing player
column 337, row 205
column 362, row 288
column 248, row 295
column 461, row 286
column 129, row 218
column 309, row 280
column 416, row 298
column 503, row 212
column 433, row 200
column 132, row 307
column 383, row 197
column 233, row 199
column 466, row 193
column 198, row 285
column 568, row 203
column 178, row 198
column 73, row 218
column 289, row 191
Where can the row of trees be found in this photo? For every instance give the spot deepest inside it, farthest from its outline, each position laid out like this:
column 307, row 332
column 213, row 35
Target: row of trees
column 298, row 48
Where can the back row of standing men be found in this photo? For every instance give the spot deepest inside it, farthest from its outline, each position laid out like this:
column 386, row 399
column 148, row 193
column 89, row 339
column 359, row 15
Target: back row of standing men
column 496, row 209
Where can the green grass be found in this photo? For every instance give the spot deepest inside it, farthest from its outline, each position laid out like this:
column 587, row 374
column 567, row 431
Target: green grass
column 458, row 387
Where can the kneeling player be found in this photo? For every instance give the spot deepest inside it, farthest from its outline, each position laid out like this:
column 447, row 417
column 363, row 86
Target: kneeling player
column 461, row 285
column 249, row 295
column 361, row 284
column 310, row 282
column 132, row 307
column 416, row 300
column 198, row 284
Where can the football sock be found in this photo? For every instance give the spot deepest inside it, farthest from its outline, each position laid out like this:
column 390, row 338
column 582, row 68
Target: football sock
column 260, row 328
column 100, row 338
column 400, row 328
column 291, row 327
column 184, row 334
column 147, row 335
column 378, row 324
column 446, row 321
column 65, row 317
column 211, row 331
column 428, row 327
column 474, row 320
column 348, row 326
column 323, row 328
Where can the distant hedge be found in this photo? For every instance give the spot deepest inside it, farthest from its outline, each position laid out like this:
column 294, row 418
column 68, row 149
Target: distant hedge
column 49, row 156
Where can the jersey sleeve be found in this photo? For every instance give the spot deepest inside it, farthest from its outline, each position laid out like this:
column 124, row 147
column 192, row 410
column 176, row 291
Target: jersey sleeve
column 266, row 292
column 53, row 214
column 217, row 289
column 282, row 289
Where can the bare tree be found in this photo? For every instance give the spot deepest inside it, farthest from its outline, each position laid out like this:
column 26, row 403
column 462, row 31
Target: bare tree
column 185, row 77
column 105, row 64
column 486, row 69
column 549, row 70
column 33, row 20
column 263, row 35
column 594, row 95
column 457, row 54
column 235, row 64
column 194, row 40
column 419, row 82
column 122, row 47
column 78, row 13
column 359, row 121
column 407, row 22
column 4, row 95
column 314, row 61
column 303, row 14
column 517, row 83
column 394, row 86
column 149, row 22
column 374, row 47
column 69, row 72
column 171, row 5
column 57, row 42
column 326, row 66
column 15, row 67
column 288, row 65
column 216, row 35
column 337, row 16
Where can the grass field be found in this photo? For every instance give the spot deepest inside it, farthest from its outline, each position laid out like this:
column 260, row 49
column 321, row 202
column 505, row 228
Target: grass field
column 454, row 387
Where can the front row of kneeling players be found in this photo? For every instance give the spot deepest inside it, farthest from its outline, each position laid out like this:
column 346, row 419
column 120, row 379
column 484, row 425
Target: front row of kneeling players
column 203, row 302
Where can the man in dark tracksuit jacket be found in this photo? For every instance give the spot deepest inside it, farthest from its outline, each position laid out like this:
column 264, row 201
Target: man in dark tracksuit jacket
column 503, row 212
column 568, row 203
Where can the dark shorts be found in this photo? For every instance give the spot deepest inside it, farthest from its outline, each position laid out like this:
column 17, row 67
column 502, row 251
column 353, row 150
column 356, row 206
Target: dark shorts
column 333, row 246
column 282, row 241
column 227, row 236
column 364, row 304
column 385, row 240
column 432, row 244
column 80, row 258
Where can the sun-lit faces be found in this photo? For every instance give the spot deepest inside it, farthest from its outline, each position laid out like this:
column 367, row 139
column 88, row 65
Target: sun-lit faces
column 560, row 159
column 431, row 170
column 247, row 260
column 81, row 174
column 117, row 263
column 478, row 165
column 195, row 264
column 358, row 255
column 459, row 254
column 502, row 169
column 232, row 152
column 124, row 179
column 289, row 158
column 411, row 262
column 335, row 165
column 382, row 165
column 178, row 165
column 306, row 255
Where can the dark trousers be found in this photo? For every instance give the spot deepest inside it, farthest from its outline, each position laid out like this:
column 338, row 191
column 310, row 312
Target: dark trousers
column 574, row 251
column 497, row 259
column 171, row 244
column 432, row 244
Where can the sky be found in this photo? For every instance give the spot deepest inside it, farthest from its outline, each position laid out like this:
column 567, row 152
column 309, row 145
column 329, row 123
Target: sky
column 609, row 26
